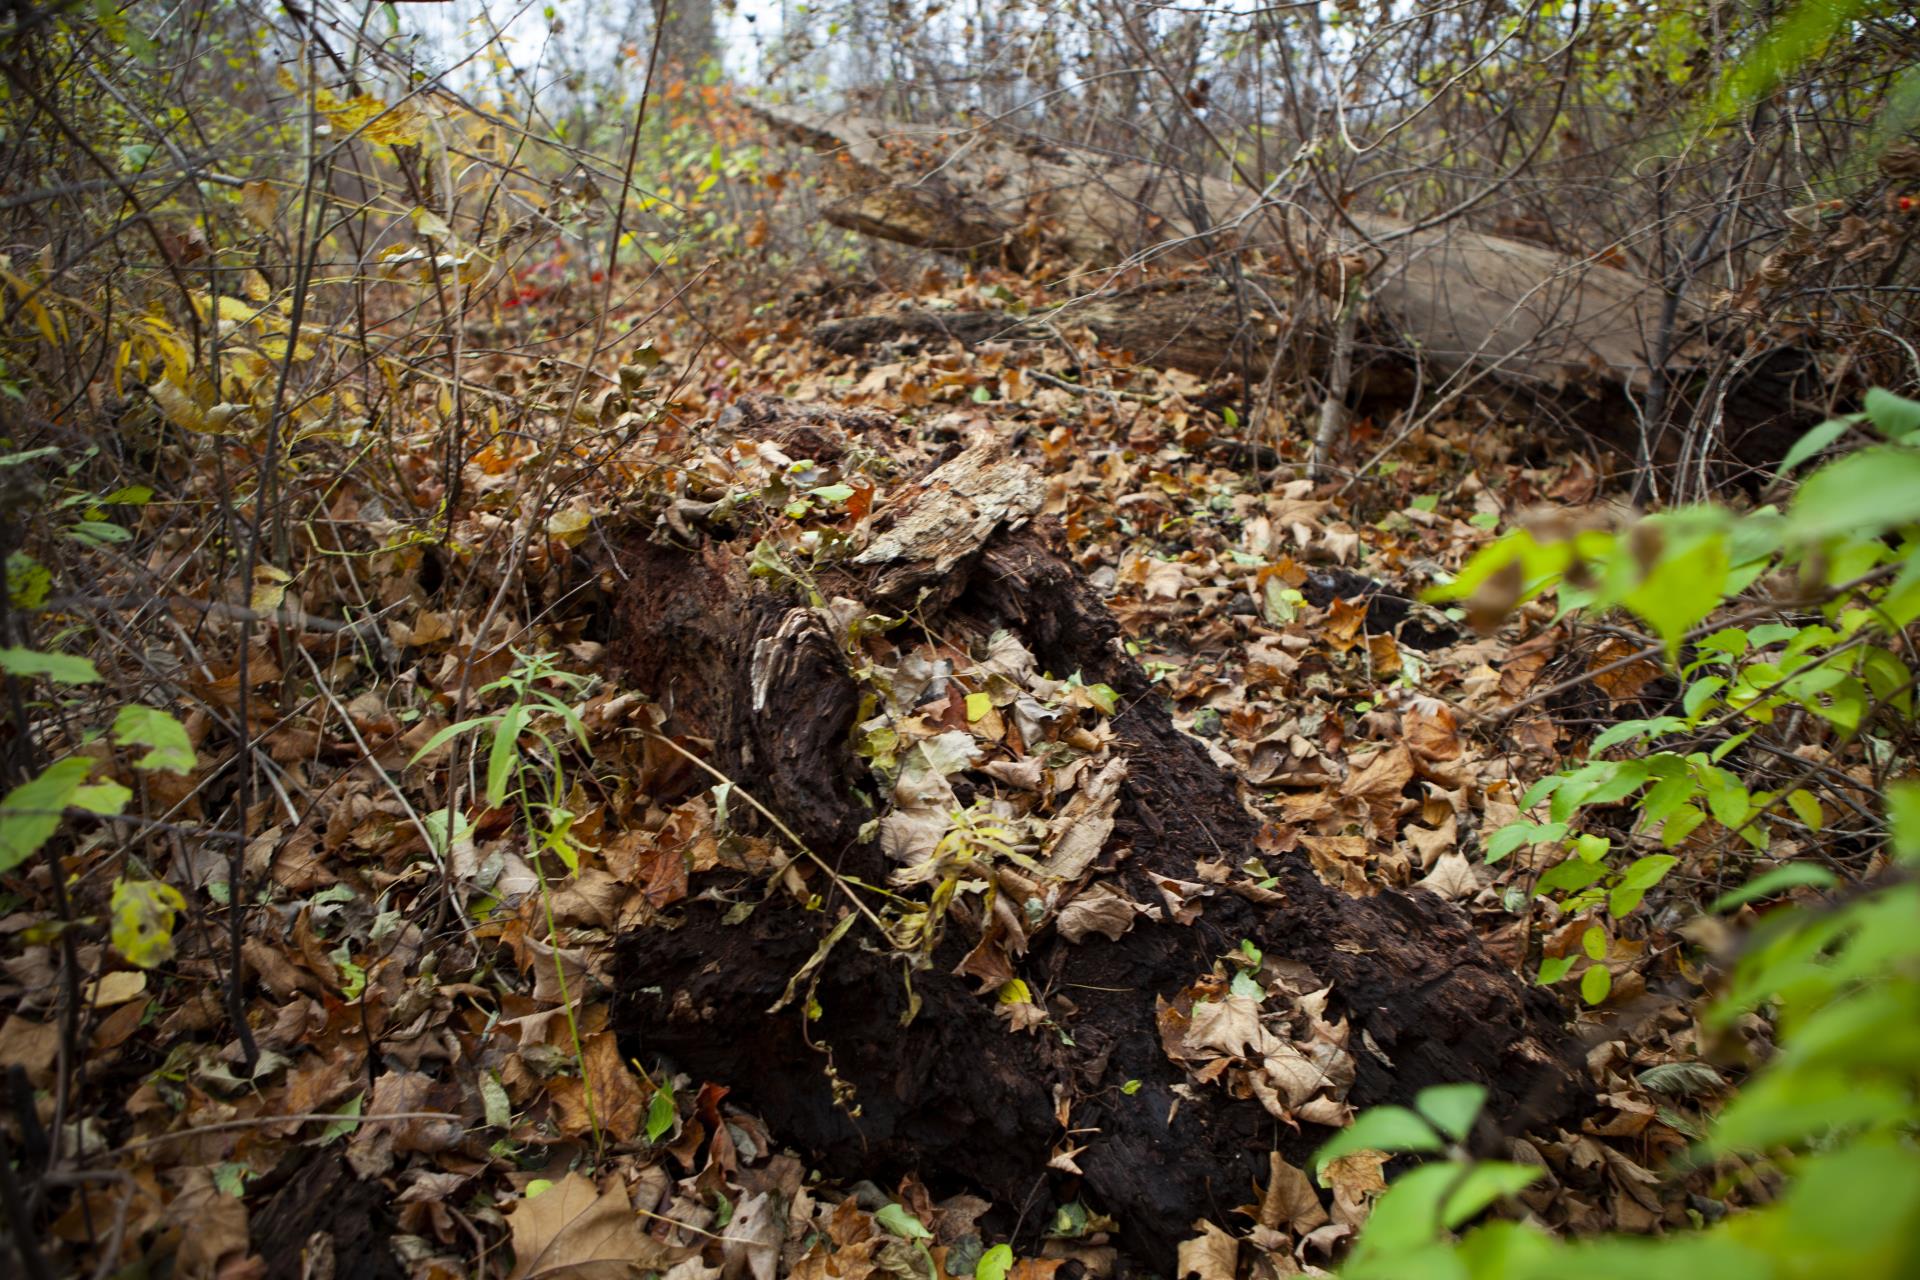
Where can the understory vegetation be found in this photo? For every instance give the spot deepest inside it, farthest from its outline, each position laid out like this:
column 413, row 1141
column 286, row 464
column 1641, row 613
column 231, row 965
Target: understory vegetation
column 615, row 612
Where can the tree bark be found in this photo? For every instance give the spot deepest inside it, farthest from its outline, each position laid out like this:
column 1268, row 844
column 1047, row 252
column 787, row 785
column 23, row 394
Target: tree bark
column 952, row 1094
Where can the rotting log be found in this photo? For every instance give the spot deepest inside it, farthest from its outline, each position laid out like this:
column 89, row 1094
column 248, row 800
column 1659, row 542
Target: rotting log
column 1568, row 333
column 1190, row 323
column 953, row 1095
column 1462, row 296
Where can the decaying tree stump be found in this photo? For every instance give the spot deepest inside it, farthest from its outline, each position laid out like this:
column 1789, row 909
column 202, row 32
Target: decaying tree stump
column 954, row 1094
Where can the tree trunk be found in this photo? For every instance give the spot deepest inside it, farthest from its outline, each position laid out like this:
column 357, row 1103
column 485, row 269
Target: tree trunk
column 687, row 36
column 953, row 1094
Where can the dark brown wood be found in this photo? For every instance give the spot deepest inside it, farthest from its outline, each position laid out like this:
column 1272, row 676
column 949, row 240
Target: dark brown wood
column 953, row 1095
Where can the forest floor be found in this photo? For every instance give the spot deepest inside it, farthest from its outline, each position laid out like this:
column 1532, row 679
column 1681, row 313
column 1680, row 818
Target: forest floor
column 397, row 968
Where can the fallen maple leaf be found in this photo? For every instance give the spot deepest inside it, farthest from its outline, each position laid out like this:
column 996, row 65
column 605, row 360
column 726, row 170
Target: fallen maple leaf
column 574, row 1231
column 1211, row 1255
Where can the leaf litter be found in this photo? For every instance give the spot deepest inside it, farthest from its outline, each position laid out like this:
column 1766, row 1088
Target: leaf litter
column 424, row 1020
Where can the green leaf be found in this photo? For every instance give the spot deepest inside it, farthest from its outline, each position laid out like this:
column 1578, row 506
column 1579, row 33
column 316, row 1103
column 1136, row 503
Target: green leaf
column 997, row 1261
column 1627, row 729
column 28, row 582
column 1896, row 417
column 1452, row 1108
column 1595, row 983
column 1486, row 1182
column 1805, row 808
column 833, row 492
column 171, row 749
column 1681, row 588
column 1790, row 875
column 143, row 914
column 32, row 811
column 981, row 395
column 447, row 735
column 338, row 1129
column 1554, row 968
column 1813, row 442
column 505, row 753
column 1903, row 819
column 1594, row 942
column 61, row 668
column 107, row 799
column 660, row 1113
column 1636, row 880
column 895, row 1220
column 1863, row 495
column 1378, row 1129
column 1511, row 837
column 1679, row 825
column 1699, row 693
column 1572, row 874
column 1727, row 798
column 98, row 533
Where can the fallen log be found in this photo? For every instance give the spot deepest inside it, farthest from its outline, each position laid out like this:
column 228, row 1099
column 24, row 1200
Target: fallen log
column 1117, row 1087
column 1534, row 321
column 1191, row 323
column 1459, row 296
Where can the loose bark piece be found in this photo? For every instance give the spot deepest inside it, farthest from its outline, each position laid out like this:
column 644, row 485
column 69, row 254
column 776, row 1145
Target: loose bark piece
column 951, row 1094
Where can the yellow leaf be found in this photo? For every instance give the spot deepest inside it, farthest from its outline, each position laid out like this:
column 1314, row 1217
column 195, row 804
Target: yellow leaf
column 143, row 915
column 182, row 409
column 118, row 988
column 371, row 118
column 260, row 204
column 569, row 527
column 269, row 588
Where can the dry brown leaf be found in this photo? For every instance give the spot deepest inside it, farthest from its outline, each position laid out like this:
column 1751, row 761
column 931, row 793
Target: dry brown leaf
column 1430, row 730
column 213, row 1224
column 31, row 1046
column 1340, row 860
column 1211, row 1255
column 1080, row 830
column 574, row 1231
column 1100, row 909
column 1379, row 782
column 1230, row 1026
column 753, row 1237
column 1452, row 878
column 1289, row 1198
